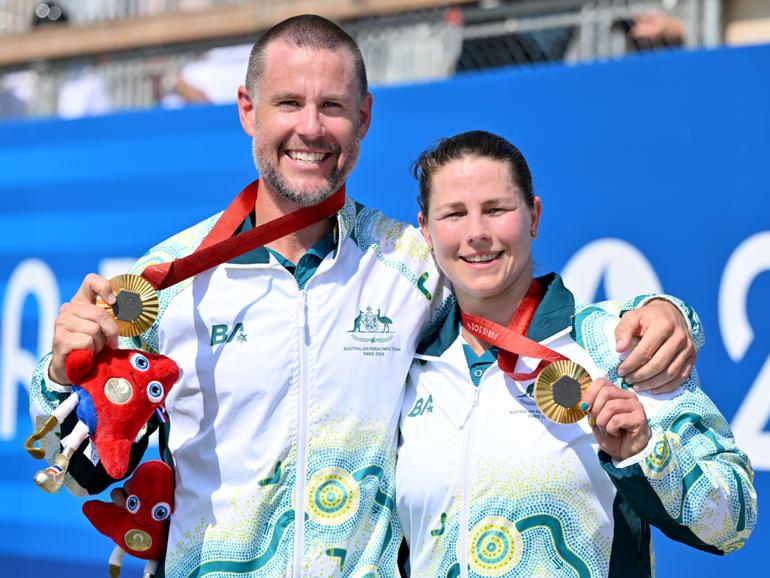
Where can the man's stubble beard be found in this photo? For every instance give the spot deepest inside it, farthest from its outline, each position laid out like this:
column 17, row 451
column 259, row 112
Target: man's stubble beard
column 270, row 176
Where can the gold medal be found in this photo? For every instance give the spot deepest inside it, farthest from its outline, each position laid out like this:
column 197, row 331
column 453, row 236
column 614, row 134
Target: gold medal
column 559, row 389
column 136, row 304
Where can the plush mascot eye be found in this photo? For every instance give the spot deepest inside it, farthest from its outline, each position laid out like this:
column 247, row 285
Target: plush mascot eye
column 140, row 362
column 155, row 391
column 132, row 504
column 161, row 511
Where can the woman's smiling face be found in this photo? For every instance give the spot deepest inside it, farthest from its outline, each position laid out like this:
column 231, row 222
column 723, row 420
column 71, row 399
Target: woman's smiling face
column 480, row 228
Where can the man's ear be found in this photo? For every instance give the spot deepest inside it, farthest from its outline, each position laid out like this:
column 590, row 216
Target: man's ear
column 423, row 221
column 246, row 111
column 365, row 115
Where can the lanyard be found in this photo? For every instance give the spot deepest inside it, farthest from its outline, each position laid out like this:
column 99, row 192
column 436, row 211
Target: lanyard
column 511, row 340
column 220, row 246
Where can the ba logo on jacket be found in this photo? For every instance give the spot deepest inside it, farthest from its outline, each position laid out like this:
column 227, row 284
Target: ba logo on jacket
column 221, row 333
column 421, row 406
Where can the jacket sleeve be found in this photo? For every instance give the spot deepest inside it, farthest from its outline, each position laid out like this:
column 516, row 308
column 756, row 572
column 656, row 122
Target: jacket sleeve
column 692, row 482
column 689, row 314
column 619, row 308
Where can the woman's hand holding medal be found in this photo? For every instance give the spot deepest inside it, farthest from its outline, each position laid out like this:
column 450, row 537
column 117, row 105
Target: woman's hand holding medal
column 617, row 419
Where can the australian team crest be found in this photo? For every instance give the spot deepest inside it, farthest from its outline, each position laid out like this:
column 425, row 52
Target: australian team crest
column 372, row 327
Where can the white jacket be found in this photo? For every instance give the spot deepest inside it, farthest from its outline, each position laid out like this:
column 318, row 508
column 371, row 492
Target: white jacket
column 486, row 486
column 283, row 428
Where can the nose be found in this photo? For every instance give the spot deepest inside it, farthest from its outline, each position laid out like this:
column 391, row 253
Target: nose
column 476, row 228
column 310, row 125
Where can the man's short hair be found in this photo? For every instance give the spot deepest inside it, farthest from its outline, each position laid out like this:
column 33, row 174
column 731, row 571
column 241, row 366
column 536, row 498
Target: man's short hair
column 306, row 31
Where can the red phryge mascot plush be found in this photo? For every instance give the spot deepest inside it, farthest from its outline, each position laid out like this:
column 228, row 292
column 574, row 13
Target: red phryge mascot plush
column 114, row 395
column 141, row 529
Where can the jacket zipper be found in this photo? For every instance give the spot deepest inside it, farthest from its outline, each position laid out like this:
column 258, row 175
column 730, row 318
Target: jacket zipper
column 299, row 507
column 464, row 476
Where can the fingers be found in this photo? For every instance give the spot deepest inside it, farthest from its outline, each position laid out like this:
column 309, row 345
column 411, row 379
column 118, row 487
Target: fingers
column 664, row 350
column 666, row 357
column 671, row 376
column 92, row 286
column 620, row 414
column 651, row 339
column 618, row 419
column 632, row 422
column 628, row 327
column 607, row 401
column 593, row 391
column 82, row 325
column 88, row 326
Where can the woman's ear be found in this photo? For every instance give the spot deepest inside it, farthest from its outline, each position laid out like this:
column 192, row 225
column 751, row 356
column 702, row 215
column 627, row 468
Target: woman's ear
column 534, row 216
column 423, row 220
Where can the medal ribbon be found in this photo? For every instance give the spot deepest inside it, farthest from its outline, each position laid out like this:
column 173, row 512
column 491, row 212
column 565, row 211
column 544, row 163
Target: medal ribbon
column 512, row 340
column 220, row 246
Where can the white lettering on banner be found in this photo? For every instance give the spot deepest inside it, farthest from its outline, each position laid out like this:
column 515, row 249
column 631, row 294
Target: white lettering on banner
column 751, row 258
column 625, row 270
column 31, row 277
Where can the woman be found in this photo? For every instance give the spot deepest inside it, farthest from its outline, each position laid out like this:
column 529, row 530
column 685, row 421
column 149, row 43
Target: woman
column 487, row 486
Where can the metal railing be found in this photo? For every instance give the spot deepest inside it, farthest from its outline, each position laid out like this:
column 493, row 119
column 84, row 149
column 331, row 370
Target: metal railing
column 17, row 16
column 398, row 48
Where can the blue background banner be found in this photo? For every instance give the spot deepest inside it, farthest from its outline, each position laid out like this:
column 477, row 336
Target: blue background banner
column 653, row 176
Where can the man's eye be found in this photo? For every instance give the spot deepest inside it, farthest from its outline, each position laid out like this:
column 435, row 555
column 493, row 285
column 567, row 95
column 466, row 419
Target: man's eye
column 288, row 103
column 332, row 105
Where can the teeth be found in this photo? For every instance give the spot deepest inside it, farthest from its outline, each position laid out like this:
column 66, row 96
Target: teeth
column 479, row 258
column 307, row 157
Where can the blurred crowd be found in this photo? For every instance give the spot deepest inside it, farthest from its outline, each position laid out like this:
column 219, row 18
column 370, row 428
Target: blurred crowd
column 213, row 77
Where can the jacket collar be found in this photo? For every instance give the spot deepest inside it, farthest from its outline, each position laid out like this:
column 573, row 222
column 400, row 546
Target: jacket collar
column 554, row 314
column 346, row 219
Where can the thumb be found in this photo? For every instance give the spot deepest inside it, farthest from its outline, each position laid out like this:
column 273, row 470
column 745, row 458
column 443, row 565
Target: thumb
column 92, row 286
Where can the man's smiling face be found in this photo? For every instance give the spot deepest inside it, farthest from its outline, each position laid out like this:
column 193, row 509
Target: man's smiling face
column 308, row 121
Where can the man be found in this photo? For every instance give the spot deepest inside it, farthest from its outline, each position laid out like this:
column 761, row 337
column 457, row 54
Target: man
column 283, row 428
